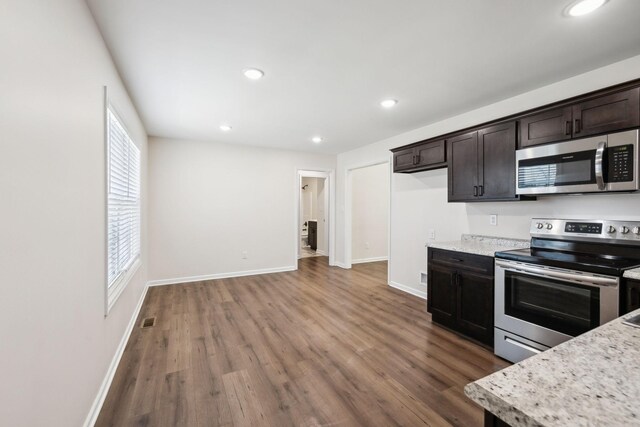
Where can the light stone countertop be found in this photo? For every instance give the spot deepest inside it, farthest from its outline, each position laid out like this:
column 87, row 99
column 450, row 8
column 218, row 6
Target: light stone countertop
column 481, row 245
column 633, row 274
column 591, row 380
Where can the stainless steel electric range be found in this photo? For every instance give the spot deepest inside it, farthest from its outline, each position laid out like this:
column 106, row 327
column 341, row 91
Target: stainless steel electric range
column 567, row 283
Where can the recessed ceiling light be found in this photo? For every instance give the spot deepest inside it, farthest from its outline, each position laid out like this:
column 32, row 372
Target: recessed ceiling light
column 388, row 103
column 316, row 139
column 225, row 128
column 253, row 73
column 584, row 7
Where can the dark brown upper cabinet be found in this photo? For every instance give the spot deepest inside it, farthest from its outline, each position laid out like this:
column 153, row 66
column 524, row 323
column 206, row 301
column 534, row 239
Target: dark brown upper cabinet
column 425, row 156
column 549, row 126
column 462, row 152
column 482, row 164
column 610, row 113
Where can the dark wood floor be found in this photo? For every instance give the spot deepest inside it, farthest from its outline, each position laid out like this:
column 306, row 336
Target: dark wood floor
column 318, row 346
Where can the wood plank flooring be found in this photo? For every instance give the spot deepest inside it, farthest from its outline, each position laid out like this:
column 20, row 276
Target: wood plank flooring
column 321, row 346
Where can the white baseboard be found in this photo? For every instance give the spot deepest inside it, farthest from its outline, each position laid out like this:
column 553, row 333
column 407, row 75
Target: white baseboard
column 177, row 280
column 341, row 265
column 92, row 417
column 409, row 290
column 319, row 252
column 375, row 259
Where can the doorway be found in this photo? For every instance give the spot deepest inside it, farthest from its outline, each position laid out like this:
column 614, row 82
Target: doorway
column 313, row 219
column 367, row 213
column 313, row 209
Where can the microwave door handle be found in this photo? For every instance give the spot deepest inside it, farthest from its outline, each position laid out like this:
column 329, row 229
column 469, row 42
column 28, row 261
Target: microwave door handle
column 599, row 164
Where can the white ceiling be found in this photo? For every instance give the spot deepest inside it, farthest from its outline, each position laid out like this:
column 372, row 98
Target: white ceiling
column 329, row 63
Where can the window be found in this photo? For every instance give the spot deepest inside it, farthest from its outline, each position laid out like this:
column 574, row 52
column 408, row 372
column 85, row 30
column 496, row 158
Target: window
column 123, row 207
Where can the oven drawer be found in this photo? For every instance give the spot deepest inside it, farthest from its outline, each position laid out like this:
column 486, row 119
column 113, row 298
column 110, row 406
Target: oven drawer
column 462, row 260
column 515, row 348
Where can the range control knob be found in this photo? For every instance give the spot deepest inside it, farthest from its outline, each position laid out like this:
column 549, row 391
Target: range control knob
column 611, row 229
column 624, row 230
column 549, row 226
column 636, row 230
column 539, row 225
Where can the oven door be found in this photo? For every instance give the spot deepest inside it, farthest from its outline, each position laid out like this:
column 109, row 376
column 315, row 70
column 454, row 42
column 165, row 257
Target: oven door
column 549, row 305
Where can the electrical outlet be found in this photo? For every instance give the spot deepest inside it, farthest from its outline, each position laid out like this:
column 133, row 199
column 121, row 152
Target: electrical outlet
column 432, row 233
column 493, row 219
column 366, row 245
column 244, row 255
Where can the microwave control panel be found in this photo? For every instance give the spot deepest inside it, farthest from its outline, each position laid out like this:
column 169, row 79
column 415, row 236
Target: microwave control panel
column 620, row 163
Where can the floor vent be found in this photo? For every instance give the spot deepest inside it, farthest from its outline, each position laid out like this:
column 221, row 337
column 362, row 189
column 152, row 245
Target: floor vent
column 148, row 322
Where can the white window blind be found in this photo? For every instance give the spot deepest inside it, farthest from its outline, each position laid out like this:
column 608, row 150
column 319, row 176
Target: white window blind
column 123, row 201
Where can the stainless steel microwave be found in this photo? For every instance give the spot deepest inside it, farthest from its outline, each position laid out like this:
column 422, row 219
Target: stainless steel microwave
column 589, row 165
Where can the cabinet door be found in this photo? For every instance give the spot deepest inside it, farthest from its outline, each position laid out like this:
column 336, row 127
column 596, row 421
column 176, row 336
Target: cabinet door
column 632, row 296
column 462, row 153
column 497, row 162
column 607, row 114
column 545, row 127
column 430, row 154
column 475, row 306
column 403, row 160
column 441, row 294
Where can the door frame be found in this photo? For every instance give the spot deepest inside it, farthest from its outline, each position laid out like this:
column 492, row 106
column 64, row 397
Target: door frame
column 330, row 203
column 348, row 211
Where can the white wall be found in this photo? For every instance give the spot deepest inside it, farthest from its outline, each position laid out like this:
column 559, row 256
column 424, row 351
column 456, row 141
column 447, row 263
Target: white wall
column 419, row 201
column 211, row 201
column 56, row 344
column 369, row 213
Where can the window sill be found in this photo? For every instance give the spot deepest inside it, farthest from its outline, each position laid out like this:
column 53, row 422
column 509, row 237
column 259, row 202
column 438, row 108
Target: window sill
column 115, row 290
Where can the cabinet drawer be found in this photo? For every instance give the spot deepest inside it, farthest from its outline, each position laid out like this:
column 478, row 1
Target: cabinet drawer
column 462, row 260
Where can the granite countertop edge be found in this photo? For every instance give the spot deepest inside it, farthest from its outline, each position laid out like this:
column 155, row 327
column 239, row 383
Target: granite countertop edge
column 606, row 349
column 633, row 274
column 480, row 244
column 498, row 407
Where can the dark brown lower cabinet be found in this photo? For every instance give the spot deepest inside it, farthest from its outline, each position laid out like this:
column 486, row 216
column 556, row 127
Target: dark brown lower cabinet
column 491, row 420
column 474, row 298
column 631, row 299
column 460, row 293
column 441, row 295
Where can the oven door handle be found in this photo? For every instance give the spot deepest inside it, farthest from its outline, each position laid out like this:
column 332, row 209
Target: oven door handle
column 599, row 169
column 521, row 345
column 587, row 280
